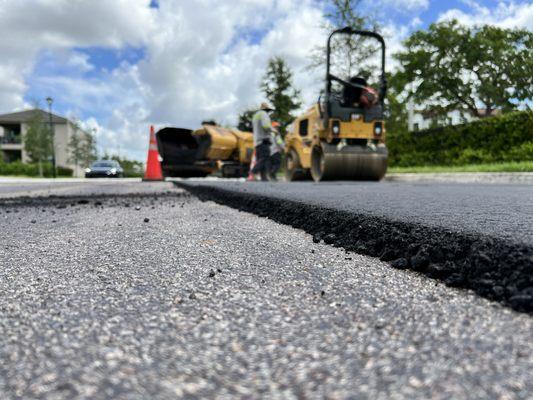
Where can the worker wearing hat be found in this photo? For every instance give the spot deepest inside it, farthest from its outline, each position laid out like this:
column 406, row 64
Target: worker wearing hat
column 262, row 140
column 276, row 149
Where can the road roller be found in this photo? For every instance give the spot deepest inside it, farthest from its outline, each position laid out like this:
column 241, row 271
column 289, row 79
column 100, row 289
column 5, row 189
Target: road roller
column 342, row 137
column 211, row 149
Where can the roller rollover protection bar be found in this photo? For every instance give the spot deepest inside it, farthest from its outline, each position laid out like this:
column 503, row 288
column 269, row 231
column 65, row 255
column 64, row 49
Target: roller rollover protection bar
column 353, row 32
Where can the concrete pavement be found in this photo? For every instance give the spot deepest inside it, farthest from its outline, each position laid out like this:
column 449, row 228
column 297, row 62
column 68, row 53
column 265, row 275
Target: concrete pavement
column 525, row 178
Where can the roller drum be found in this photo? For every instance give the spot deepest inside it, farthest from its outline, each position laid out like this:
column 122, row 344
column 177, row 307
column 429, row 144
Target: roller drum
column 332, row 162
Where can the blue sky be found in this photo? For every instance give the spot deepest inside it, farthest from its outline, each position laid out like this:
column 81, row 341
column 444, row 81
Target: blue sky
column 123, row 65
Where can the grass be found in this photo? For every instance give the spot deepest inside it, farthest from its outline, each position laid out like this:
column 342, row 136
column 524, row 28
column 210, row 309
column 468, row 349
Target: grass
column 522, row 166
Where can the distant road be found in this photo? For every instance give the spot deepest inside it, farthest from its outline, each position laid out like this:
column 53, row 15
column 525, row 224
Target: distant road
column 464, row 177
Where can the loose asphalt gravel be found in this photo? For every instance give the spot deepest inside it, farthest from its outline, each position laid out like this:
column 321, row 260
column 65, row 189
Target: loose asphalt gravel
column 158, row 296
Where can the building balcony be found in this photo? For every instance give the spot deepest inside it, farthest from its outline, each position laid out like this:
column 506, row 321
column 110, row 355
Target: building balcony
column 10, row 139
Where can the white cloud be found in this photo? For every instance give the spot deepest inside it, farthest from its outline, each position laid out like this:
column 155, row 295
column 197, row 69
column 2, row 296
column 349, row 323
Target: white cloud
column 406, row 5
column 199, row 66
column 79, row 61
column 415, row 22
column 507, row 14
column 27, row 27
column 210, row 76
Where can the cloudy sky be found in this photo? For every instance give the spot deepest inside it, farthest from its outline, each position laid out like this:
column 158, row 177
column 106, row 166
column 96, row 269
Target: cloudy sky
column 121, row 65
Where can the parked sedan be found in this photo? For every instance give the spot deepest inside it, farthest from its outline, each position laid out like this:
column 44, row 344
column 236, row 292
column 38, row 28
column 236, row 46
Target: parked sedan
column 104, row 169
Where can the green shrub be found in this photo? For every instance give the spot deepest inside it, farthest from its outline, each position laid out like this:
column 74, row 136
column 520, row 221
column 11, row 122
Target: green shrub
column 65, row 172
column 520, row 153
column 18, row 168
column 473, row 156
column 498, row 139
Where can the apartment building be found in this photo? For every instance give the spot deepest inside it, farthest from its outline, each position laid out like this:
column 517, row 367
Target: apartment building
column 14, row 126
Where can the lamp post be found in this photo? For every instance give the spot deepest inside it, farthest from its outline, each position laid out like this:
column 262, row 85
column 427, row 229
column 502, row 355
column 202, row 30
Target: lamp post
column 95, row 132
column 49, row 100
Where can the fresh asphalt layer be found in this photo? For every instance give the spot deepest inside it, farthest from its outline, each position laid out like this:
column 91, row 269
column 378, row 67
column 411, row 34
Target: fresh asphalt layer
column 149, row 293
column 502, row 211
column 473, row 236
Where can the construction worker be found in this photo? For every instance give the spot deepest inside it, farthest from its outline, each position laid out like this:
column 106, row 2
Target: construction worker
column 276, row 149
column 262, row 140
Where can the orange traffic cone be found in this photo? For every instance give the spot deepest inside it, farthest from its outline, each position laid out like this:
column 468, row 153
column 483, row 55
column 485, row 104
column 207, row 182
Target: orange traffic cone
column 252, row 165
column 153, row 167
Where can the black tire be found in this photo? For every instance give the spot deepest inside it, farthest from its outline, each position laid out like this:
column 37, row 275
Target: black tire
column 293, row 167
column 317, row 163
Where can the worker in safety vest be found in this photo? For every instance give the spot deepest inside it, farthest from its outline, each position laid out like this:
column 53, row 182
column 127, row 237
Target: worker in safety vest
column 276, row 149
column 262, row 140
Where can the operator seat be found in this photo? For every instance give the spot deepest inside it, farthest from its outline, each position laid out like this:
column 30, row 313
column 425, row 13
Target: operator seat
column 351, row 95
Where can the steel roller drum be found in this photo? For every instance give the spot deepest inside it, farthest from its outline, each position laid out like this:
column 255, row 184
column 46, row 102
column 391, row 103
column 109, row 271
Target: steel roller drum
column 335, row 162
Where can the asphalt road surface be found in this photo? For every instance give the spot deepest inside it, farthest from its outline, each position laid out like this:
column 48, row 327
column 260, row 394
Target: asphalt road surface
column 478, row 237
column 144, row 292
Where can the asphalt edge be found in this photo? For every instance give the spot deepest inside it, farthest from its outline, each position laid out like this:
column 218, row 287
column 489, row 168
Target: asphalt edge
column 493, row 268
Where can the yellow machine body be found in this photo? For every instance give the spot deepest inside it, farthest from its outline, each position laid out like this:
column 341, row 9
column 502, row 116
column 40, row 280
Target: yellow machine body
column 210, row 149
column 353, row 152
column 342, row 137
column 245, row 144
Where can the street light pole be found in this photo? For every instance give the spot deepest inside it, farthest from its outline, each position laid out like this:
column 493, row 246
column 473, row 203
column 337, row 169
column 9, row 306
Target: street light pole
column 95, row 131
column 49, row 100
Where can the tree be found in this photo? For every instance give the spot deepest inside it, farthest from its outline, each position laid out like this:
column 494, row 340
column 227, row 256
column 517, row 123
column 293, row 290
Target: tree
column 396, row 112
column 88, row 149
column 76, row 147
column 451, row 66
column 350, row 55
column 245, row 121
column 278, row 89
column 38, row 141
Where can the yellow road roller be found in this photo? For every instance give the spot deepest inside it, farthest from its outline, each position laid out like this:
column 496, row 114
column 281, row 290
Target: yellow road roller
column 342, row 137
column 210, row 149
